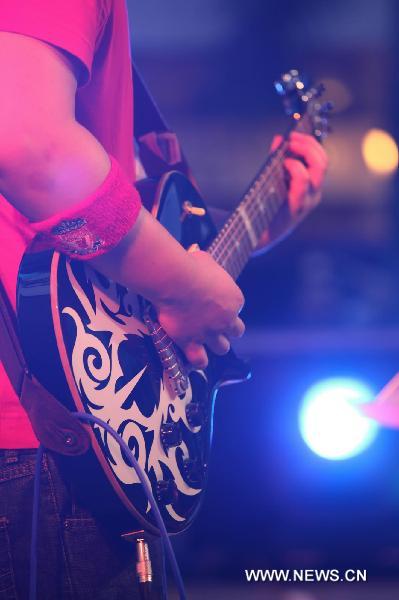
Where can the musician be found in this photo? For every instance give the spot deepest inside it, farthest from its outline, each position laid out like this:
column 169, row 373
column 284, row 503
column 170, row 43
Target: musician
column 66, row 154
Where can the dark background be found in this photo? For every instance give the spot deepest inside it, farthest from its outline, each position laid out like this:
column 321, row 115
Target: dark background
column 324, row 303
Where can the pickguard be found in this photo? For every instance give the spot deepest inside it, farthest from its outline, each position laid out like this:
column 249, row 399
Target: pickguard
column 120, row 380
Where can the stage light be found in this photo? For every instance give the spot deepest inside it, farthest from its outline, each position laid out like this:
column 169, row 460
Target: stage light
column 329, row 421
column 380, row 152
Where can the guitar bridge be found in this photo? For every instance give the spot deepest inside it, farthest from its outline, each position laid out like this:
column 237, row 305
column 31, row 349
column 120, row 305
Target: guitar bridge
column 167, row 352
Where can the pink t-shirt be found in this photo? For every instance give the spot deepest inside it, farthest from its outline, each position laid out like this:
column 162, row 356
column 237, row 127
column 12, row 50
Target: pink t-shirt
column 96, row 33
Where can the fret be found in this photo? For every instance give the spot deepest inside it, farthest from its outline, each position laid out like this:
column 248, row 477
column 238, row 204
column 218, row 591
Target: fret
column 261, row 205
column 253, row 238
column 244, row 247
column 233, row 249
column 274, row 203
column 229, row 257
column 268, row 210
column 242, row 258
column 265, row 216
column 255, row 213
column 234, row 264
column 282, row 191
column 262, row 202
column 258, row 222
column 237, row 233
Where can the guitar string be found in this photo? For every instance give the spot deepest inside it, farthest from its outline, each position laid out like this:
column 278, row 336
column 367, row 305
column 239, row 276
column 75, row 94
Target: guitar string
column 222, row 247
column 239, row 232
column 250, row 211
column 236, row 231
column 225, row 252
column 233, row 255
column 251, row 205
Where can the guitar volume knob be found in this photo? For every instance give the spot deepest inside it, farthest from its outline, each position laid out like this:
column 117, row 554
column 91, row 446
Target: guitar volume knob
column 171, row 435
column 167, row 491
column 194, row 472
column 195, row 414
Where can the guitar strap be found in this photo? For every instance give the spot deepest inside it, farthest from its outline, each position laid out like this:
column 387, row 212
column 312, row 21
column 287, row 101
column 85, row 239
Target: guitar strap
column 52, row 423
column 158, row 147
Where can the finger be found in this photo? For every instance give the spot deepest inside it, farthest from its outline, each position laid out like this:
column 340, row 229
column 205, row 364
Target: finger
column 236, row 330
column 276, row 142
column 219, row 344
column 196, row 355
column 309, row 151
column 312, row 154
column 311, row 142
column 299, row 185
column 193, row 248
column 314, row 164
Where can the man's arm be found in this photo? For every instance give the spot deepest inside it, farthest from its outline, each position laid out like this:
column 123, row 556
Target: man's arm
column 49, row 162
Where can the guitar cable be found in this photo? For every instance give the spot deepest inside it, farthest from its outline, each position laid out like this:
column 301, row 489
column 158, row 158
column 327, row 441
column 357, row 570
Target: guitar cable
column 133, row 463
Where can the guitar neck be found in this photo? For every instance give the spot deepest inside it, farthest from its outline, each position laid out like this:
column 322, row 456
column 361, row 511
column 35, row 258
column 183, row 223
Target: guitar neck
column 240, row 235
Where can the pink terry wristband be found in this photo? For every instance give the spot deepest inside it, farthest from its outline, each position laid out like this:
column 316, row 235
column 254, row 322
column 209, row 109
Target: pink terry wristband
column 95, row 225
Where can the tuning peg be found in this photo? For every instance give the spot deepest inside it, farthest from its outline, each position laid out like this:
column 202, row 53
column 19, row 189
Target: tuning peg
column 289, row 82
column 326, row 108
column 319, row 89
column 322, row 132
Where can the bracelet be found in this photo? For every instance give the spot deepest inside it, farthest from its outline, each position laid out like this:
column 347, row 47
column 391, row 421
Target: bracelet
column 95, row 225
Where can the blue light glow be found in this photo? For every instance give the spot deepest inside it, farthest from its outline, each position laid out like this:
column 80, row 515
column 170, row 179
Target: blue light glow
column 329, row 421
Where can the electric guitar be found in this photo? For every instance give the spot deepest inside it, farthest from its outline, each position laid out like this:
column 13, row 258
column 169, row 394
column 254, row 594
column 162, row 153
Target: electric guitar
column 98, row 348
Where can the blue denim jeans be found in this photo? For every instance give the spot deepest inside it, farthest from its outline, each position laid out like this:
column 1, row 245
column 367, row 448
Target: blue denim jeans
column 79, row 558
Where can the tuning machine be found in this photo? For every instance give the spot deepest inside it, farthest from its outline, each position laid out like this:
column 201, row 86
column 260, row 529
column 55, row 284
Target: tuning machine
column 320, row 119
column 290, row 82
column 292, row 86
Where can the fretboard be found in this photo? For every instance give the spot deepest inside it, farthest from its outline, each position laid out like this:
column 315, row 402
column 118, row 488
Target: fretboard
column 261, row 204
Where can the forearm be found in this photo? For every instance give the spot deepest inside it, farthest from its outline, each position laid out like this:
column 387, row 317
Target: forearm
column 149, row 261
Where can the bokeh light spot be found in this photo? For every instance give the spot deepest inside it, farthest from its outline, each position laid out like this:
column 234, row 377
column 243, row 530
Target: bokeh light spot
column 329, row 421
column 380, row 152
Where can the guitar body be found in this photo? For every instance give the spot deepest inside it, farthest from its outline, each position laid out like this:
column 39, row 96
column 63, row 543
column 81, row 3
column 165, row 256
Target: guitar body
column 85, row 340
column 90, row 342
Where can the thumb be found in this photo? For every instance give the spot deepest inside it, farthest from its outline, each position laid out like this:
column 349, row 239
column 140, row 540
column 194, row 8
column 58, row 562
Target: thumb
column 196, row 355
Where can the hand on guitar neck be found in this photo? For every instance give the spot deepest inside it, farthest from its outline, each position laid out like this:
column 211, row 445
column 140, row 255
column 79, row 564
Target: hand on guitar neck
column 306, row 166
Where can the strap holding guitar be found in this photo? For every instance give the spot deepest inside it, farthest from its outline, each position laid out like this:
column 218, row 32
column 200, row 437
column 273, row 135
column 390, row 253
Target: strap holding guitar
column 158, row 146
column 52, row 423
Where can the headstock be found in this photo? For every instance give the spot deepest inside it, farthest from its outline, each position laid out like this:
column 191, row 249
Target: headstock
column 301, row 101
